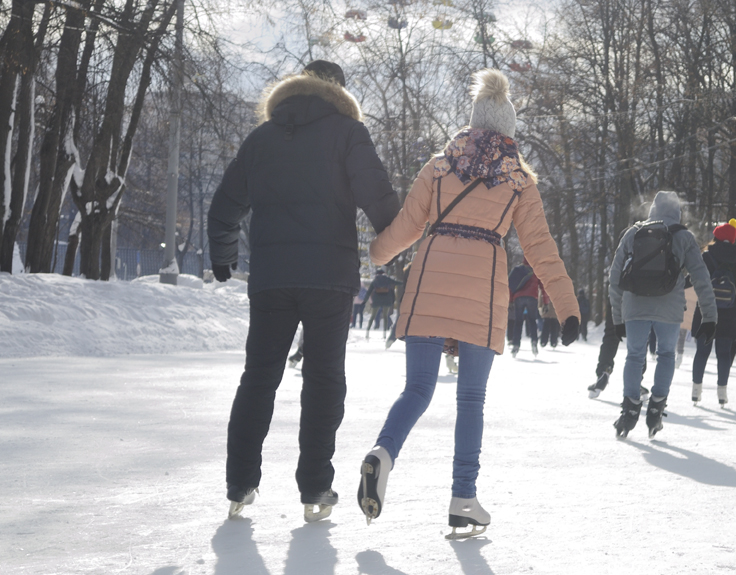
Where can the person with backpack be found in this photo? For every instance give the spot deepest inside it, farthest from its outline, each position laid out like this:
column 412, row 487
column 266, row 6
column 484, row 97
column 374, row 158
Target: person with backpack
column 472, row 192
column 720, row 257
column 523, row 292
column 584, row 313
column 647, row 291
column 302, row 174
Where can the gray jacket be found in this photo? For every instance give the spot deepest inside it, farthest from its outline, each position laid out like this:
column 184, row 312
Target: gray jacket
column 669, row 308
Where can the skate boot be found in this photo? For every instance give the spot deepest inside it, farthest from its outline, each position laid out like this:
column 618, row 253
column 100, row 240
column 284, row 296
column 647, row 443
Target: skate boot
column 722, row 397
column 323, row 500
column 373, row 479
column 239, row 497
column 514, row 350
column 697, row 392
column 595, row 389
column 655, row 412
column 535, row 349
column 450, row 361
column 643, row 393
column 630, row 410
column 464, row 512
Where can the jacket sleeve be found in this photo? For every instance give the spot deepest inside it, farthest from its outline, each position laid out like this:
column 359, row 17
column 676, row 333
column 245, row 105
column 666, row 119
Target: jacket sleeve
column 409, row 225
column 615, row 293
column 541, row 252
column 369, row 182
column 700, row 277
column 230, row 205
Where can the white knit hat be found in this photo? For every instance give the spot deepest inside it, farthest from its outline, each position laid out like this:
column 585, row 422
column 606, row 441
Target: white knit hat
column 492, row 109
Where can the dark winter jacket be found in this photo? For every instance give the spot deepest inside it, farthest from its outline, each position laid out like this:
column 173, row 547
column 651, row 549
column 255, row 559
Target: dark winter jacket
column 381, row 291
column 303, row 173
column 720, row 256
column 529, row 289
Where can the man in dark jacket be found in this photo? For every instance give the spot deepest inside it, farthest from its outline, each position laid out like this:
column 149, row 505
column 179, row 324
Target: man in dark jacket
column 525, row 299
column 382, row 297
column 303, row 173
column 584, row 306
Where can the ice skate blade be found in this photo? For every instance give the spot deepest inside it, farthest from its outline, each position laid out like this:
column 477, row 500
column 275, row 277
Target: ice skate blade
column 477, row 530
column 235, row 509
column 310, row 515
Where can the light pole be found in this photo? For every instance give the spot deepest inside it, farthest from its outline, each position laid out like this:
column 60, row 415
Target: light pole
column 169, row 273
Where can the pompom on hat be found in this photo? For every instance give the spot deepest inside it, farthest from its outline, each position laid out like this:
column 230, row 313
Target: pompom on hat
column 726, row 232
column 492, row 109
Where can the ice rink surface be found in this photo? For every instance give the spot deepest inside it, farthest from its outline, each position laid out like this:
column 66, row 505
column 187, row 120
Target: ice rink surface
column 115, row 464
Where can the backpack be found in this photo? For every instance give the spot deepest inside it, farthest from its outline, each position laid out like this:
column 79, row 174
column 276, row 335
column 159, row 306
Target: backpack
column 651, row 269
column 519, row 277
column 723, row 288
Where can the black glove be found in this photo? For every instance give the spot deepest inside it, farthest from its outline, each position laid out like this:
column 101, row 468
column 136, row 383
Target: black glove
column 620, row 330
column 222, row 271
column 570, row 330
column 707, row 330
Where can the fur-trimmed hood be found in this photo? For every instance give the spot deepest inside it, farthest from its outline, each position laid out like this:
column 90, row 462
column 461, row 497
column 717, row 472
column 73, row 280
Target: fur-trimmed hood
column 307, row 85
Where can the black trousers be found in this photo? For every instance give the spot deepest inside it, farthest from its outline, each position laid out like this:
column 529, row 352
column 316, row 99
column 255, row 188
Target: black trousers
column 550, row 332
column 274, row 317
column 609, row 345
column 530, row 304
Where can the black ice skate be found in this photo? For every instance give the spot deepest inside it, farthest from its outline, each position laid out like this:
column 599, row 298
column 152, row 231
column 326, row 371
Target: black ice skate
column 655, row 412
column 595, row 389
column 324, row 501
column 629, row 416
column 373, row 479
column 464, row 512
column 239, row 497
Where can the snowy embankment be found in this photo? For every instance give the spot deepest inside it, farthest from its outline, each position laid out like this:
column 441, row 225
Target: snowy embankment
column 53, row 315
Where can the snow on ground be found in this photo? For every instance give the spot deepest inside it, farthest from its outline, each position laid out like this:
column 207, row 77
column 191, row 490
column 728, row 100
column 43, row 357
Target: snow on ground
column 50, row 314
column 114, row 463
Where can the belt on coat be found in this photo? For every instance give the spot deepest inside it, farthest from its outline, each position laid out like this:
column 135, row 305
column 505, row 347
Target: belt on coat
column 469, row 233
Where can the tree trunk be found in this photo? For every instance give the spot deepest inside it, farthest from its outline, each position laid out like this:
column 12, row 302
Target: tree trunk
column 55, row 159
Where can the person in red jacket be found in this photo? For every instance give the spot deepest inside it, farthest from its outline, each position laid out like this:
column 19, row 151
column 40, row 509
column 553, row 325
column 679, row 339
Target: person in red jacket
column 525, row 299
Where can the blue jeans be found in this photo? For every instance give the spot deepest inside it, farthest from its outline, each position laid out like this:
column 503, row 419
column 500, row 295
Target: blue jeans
column 637, row 334
column 423, row 355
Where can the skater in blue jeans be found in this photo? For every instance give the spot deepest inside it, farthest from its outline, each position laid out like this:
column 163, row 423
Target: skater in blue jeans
column 651, row 302
column 457, row 288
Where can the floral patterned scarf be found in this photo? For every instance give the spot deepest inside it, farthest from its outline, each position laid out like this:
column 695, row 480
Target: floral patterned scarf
column 485, row 154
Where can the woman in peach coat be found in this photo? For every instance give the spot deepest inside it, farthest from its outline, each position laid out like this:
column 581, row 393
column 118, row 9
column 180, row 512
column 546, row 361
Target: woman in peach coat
column 458, row 288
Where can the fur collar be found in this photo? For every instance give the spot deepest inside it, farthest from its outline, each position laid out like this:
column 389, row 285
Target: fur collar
column 305, row 85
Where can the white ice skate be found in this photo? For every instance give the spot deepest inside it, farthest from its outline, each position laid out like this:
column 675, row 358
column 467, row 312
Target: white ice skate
column 450, row 362
column 373, row 479
column 722, row 396
column 248, row 497
column 319, row 505
column 464, row 512
column 697, row 393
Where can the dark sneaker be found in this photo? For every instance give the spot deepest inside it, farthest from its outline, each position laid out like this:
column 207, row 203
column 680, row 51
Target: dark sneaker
column 629, row 416
column 328, row 497
column 655, row 413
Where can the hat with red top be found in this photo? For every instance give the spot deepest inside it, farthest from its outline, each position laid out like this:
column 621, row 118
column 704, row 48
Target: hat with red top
column 726, row 232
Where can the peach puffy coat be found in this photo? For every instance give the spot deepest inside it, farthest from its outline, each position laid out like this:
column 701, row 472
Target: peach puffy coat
column 457, row 287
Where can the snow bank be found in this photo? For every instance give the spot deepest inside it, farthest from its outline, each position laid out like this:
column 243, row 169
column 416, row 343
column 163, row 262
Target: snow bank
column 54, row 315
